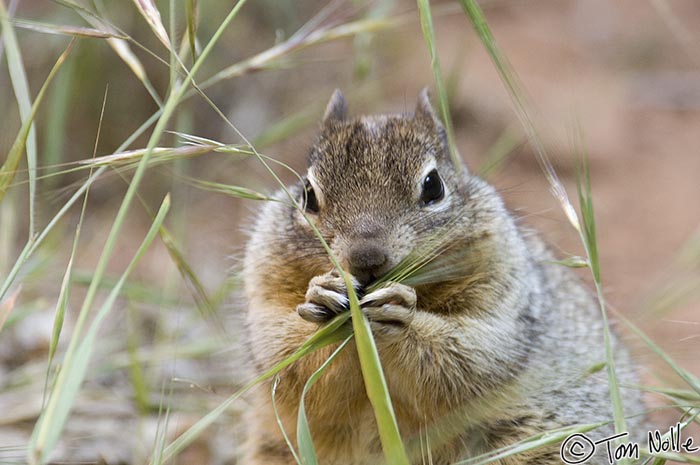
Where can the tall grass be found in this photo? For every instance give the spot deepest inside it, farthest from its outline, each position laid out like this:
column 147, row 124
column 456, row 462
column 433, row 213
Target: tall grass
column 18, row 77
column 183, row 53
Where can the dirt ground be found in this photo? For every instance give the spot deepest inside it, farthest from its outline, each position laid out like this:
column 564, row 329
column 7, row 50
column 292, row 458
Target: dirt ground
column 624, row 75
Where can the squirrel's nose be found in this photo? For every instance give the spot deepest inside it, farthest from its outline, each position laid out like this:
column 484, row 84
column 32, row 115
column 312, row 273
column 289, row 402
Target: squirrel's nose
column 366, row 261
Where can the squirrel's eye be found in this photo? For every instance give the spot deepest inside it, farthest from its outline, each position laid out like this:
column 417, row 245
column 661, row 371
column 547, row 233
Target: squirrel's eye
column 433, row 191
column 311, row 202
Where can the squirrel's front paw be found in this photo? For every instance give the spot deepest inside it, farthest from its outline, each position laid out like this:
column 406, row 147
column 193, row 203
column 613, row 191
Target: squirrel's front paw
column 326, row 297
column 390, row 310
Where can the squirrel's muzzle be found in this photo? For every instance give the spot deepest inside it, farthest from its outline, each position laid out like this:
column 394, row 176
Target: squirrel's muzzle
column 367, row 261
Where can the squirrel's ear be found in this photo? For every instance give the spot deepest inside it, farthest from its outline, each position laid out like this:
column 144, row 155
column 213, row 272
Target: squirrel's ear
column 336, row 108
column 424, row 110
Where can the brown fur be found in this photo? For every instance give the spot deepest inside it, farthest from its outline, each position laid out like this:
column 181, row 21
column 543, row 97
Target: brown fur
column 476, row 363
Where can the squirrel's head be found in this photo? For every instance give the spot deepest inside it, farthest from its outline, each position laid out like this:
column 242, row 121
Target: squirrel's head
column 378, row 185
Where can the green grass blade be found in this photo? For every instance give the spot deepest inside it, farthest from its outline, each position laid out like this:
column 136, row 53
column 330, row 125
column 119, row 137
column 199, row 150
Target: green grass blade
column 426, row 22
column 539, row 440
column 159, row 442
column 290, row 446
column 27, row 111
column 572, row 261
column 677, row 395
column 71, row 31
column 191, row 13
column 375, row 384
column 52, row 420
column 583, row 185
column 234, row 191
column 161, row 428
column 590, row 243
column 137, row 379
column 158, row 155
column 307, row 452
column 63, row 296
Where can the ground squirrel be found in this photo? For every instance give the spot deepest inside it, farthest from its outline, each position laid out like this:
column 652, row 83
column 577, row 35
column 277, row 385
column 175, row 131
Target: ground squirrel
column 474, row 361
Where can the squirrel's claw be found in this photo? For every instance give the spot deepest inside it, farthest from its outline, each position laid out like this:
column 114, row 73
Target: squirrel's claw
column 393, row 293
column 326, row 297
column 314, row 313
column 334, row 300
column 390, row 310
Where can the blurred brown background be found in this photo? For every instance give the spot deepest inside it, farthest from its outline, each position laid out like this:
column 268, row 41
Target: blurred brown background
column 624, row 76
